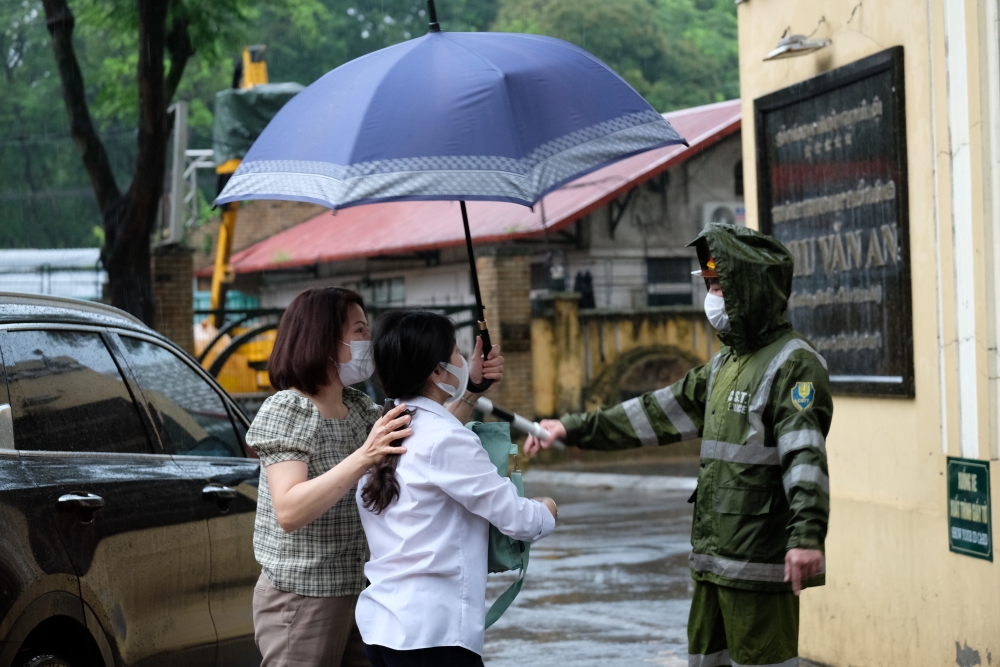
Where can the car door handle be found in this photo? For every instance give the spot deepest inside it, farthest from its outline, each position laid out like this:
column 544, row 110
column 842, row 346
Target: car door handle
column 81, row 501
column 220, row 495
column 84, row 504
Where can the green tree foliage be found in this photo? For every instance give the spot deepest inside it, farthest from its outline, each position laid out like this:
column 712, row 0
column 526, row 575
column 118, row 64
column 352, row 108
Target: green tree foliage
column 677, row 53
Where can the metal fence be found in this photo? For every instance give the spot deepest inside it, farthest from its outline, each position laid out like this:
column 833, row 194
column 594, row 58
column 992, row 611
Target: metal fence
column 237, row 352
column 74, row 272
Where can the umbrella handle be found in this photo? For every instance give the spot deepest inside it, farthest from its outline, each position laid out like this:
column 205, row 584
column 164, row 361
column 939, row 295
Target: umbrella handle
column 480, row 387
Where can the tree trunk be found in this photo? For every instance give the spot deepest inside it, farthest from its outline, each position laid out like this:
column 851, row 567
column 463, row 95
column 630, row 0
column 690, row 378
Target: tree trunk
column 128, row 218
column 128, row 228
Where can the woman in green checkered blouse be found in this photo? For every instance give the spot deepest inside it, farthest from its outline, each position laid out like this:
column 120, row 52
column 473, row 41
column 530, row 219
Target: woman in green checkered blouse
column 316, row 438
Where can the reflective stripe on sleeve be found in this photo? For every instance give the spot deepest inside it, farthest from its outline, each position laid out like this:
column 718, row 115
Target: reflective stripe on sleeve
column 737, row 569
column 675, row 413
column 796, row 440
column 806, row 473
column 755, row 413
column 717, row 659
column 791, row 662
column 727, row 451
column 640, row 422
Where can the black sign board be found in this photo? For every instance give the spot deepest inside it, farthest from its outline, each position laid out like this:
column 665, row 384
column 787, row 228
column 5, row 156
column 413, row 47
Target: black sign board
column 831, row 182
column 970, row 526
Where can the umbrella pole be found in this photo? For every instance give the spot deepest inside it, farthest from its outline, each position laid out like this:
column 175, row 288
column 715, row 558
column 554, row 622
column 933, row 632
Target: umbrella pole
column 484, row 332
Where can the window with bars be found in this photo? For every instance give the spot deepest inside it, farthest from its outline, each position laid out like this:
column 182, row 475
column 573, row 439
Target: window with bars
column 385, row 292
column 668, row 281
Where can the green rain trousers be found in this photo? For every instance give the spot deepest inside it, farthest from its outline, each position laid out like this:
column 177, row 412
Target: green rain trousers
column 732, row 627
column 763, row 408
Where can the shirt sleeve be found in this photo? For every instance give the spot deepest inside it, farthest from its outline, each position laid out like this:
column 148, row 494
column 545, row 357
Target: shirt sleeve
column 371, row 411
column 461, row 468
column 660, row 417
column 803, row 410
column 284, row 429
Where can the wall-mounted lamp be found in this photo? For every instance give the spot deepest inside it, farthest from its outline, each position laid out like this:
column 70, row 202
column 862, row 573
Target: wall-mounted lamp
column 790, row 46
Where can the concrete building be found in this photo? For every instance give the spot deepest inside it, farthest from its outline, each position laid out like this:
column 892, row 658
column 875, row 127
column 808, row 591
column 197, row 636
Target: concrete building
column 901, row 587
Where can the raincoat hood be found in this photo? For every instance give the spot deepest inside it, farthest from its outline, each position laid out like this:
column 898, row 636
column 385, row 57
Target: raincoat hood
column 755, row 271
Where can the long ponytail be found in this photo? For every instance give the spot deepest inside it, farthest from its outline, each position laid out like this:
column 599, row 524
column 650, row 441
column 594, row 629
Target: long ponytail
column 407, row 345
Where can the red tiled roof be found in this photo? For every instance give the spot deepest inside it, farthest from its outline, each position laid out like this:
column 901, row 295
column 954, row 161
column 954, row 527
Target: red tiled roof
column 407, row 227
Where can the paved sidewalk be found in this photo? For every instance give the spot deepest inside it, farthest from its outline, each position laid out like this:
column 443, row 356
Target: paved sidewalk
column 611, row 586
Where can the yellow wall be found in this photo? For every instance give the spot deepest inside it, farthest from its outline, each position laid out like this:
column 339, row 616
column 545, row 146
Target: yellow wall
column 896, row 595
column 570, row 350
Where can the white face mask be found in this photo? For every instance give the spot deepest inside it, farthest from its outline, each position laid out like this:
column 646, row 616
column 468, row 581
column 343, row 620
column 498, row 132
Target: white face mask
column 361, row 365
column 715, row 310
column 460, row 372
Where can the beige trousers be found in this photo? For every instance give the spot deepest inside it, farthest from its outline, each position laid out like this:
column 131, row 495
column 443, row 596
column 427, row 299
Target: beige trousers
column 294, row 630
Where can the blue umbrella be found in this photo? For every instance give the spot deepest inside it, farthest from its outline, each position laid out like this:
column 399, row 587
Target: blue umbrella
column 457, row 116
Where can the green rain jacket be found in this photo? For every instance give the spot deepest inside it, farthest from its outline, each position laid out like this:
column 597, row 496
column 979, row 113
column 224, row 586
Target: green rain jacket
column 762, row 407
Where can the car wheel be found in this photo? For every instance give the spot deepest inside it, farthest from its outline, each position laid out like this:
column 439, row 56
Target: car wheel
column 46, row 661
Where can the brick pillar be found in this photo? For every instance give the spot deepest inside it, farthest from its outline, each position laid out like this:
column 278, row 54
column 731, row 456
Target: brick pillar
column 505, row 283
column 173, row 299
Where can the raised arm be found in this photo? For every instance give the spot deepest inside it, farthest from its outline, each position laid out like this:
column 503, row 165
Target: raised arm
column 491, row 368
column 660, row 417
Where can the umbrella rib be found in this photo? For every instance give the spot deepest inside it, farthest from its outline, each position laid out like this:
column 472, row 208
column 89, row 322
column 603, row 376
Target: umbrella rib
column 416, row 43
column 511, row 119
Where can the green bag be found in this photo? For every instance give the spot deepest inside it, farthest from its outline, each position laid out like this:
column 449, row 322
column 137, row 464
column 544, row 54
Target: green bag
column 505, row 553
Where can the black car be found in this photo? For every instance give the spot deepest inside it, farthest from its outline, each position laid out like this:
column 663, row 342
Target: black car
column 127, row 496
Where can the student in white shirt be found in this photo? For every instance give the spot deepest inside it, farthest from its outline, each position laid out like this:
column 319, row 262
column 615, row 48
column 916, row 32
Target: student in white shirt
column 427, row 514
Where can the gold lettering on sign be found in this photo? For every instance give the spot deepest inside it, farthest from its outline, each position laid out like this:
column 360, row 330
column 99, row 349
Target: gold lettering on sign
column 829, row 297
column 834, row 121
column 832, row 250
column 802, row 253
column 846, row 251
column 863, row 195
column 849, row 342
column 853, row 248
column 875, row 255
column 890, row 236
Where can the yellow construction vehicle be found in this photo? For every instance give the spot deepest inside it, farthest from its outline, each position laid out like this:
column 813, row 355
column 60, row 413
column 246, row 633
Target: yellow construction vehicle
column 251, row 72
column 241, row 113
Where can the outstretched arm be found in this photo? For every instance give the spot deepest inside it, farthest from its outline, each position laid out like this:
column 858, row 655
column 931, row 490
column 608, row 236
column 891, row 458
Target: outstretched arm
column 660, row 417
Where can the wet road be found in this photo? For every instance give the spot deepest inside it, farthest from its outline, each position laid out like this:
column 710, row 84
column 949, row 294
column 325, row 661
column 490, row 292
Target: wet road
column 610, row 587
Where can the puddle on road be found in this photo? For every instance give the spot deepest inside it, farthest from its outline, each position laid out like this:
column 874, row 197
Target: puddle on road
column 610, row 587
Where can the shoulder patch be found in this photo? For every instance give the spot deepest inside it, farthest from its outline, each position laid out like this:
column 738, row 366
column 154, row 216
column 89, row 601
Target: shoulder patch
column 803, row 395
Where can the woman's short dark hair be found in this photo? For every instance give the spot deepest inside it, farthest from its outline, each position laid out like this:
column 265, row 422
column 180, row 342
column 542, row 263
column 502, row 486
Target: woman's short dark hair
column 407, row 345
column 308, row 336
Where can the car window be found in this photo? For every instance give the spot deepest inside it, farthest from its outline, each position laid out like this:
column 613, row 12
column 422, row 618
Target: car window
column 68, row 395
column 192, row 413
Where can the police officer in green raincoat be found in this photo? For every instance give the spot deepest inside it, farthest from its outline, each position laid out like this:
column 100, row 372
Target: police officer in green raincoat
column 762, row 407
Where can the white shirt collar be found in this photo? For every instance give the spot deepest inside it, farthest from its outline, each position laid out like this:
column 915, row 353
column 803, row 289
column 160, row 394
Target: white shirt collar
column 425, row 403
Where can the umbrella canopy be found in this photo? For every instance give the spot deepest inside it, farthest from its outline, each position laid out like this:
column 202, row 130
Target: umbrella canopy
column 461, row 116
